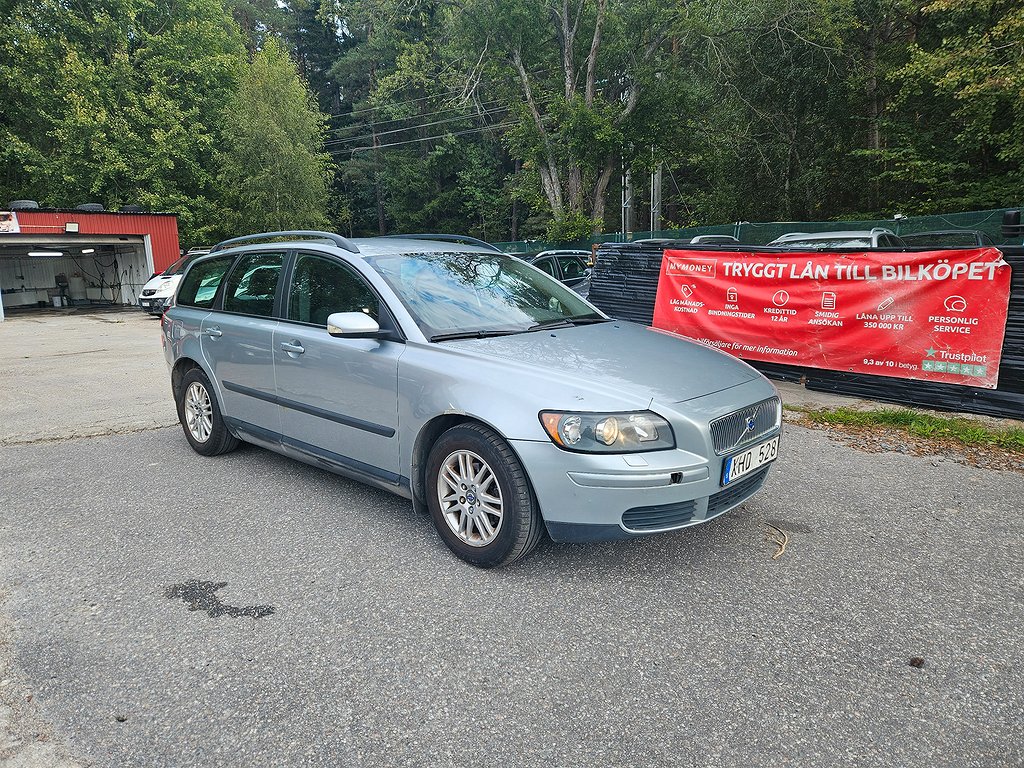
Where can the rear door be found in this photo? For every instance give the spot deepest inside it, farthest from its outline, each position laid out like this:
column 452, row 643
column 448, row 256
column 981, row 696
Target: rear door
column 237, row 342
column 338, row 397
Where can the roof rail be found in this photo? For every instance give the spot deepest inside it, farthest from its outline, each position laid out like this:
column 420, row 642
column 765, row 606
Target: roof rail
column 465, row 239
column 338, row 240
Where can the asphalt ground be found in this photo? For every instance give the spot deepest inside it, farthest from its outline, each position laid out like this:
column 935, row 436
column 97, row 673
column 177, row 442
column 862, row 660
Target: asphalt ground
column 158, row 608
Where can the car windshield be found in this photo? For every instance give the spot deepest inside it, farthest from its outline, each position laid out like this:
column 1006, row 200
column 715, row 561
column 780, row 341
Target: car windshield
column 178, row 267
column 465, row 295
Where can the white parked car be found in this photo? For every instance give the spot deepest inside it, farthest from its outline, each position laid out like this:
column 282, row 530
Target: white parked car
column 159, row 289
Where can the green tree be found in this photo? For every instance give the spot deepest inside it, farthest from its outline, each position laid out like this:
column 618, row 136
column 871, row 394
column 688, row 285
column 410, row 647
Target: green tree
column 957, row 120
column 115, row 102
column 273, row 172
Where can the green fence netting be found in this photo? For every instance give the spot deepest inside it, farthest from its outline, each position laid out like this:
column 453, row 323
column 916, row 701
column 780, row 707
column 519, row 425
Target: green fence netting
column 760, row 233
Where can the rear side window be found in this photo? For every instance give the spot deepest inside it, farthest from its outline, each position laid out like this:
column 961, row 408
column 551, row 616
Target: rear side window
column 572, row 267
column 546, row 264
column 252, row 284
column 199, row 286
column 321, row 287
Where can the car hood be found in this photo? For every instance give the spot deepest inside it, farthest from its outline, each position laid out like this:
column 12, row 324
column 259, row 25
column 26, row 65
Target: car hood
column 646, row 363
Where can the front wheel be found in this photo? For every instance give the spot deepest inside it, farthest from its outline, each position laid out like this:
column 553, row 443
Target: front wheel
column 480, row 497
column 200, row 416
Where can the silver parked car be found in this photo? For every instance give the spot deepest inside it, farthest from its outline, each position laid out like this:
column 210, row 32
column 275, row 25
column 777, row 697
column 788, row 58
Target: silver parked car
column 820, row 241
column 468, row 381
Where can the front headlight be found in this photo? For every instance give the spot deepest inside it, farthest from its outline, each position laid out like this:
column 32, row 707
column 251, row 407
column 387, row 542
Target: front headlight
column 608, row 432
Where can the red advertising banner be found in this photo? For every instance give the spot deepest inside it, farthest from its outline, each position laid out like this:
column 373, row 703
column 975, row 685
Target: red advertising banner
column 935, row 315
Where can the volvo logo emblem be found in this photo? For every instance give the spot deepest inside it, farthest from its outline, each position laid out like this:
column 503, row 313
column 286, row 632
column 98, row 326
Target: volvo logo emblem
column 749, row 425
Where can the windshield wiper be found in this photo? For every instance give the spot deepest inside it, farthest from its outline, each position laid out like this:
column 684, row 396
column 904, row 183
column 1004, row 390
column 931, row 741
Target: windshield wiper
column 472, row 335
column 567, row 322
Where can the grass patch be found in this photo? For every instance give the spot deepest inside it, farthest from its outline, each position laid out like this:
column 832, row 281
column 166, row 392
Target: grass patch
column 924, row 425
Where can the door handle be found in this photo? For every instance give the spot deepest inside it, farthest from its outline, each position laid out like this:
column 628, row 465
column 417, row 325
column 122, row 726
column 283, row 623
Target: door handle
column 292, row 346
column 214, row 332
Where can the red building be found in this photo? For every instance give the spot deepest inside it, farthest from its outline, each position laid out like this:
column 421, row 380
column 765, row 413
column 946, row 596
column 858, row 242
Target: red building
column 81, row 257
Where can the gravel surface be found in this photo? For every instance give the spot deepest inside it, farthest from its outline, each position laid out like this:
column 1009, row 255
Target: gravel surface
column 73, row 374
column 880, row 439
column 171, row 610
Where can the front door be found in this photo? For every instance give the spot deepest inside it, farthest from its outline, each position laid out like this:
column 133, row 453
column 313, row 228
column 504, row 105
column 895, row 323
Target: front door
column 338, row 397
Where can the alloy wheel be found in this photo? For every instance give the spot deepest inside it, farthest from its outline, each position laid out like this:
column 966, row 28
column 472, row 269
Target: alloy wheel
column 470, row 498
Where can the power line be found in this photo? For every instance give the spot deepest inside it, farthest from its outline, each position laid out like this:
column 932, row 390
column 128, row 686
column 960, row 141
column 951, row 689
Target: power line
column 426, row 138
column 396, row 104
column 400, row 119
column 457, row 118
column 538, row 71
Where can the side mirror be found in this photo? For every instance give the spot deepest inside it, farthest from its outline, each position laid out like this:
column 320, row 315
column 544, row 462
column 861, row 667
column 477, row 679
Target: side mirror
column 352, row 325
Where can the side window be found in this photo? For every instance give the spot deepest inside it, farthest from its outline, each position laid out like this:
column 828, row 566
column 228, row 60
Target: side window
column 572, row 267
column 321, row 287
column 547, row 265
column 252, row 284
column 199, row 286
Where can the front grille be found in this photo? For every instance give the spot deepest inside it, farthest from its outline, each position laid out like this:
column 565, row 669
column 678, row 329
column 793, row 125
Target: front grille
column 149, row 292
column 734, row 493
column 746, row 425
column 660, row 516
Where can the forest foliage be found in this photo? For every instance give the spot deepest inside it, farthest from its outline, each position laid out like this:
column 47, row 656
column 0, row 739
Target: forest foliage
column 511, row 119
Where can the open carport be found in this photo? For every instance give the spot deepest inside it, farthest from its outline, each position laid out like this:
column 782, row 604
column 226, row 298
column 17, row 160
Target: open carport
column 52, row 258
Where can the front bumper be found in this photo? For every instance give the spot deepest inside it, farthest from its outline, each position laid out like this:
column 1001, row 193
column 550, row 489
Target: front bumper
column 153, row 305
column 593, row 497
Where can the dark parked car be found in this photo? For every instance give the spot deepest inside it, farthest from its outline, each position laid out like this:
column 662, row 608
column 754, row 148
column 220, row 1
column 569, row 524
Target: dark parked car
column 569, row 267
column 948, row 238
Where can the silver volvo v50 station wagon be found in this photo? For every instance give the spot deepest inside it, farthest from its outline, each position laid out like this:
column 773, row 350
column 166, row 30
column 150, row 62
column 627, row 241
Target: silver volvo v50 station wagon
column 467, row 380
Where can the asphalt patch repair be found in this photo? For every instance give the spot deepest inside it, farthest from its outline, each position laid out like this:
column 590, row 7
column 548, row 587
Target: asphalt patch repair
column 202, row 596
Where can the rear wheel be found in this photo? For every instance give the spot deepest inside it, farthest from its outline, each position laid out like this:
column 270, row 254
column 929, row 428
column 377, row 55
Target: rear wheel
column 200, row 416
column 480, row 497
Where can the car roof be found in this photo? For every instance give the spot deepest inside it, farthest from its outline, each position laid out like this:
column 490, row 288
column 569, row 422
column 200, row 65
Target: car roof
column 367, row 246
column 560, row 252
column 380, row 246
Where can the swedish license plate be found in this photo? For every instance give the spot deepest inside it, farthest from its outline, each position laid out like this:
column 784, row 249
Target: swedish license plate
column 744, row 463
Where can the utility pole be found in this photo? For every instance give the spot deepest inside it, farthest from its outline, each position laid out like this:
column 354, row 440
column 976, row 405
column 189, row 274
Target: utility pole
column 627, row 202
column 655, row 194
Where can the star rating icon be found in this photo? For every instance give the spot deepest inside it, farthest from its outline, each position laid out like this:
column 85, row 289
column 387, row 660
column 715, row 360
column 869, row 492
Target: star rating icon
column 930, row 351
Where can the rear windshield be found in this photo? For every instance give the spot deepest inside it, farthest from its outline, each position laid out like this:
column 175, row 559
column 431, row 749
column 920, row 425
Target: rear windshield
column 942, row 239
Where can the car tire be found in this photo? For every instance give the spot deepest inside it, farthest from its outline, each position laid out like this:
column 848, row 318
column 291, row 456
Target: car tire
column 480, row 498
column 200, row 416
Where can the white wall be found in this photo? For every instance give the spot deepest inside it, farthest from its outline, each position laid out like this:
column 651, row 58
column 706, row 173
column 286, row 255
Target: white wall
column 30, row 279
